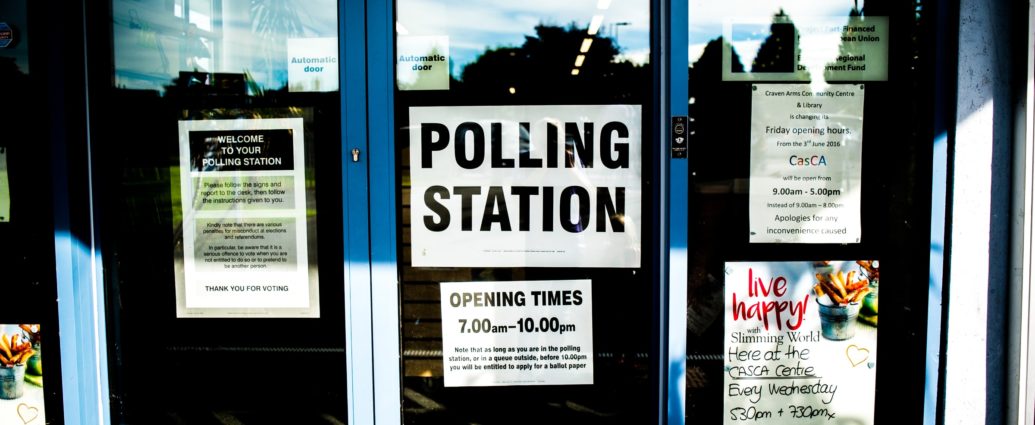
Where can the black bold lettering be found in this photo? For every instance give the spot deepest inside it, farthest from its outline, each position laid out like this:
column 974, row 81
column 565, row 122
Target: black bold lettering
column 551, row 144
column 466, row 192
column 566, row 195
column 495, row 202
column 460, row 145
column 615, row 210
column 622, row 149
column 427, row 146
column 437, row 208
column 525, row 159
column 524, row 193
column 577, row 296
column 582, row 144
column 496, row 139
column 547, row 209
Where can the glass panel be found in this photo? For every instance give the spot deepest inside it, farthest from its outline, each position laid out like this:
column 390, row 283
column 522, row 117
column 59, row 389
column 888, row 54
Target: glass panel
column 29, row 315
column 223, row 196
column 809, row 134
column 523, row 165
column 273, row 44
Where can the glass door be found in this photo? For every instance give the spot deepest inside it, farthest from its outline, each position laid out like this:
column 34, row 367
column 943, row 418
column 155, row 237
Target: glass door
column 810, row 132
column 523, row 174
column 224, row 200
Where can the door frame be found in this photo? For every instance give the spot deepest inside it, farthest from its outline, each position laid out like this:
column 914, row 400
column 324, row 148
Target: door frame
column 668, row 242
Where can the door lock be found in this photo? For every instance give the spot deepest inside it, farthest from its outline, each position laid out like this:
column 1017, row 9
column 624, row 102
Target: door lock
column 355, row 154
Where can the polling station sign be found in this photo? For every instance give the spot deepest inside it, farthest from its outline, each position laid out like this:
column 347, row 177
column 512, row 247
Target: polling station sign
column 525, row 186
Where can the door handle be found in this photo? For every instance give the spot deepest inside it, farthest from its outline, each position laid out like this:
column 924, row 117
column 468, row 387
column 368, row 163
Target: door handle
column 355, row 154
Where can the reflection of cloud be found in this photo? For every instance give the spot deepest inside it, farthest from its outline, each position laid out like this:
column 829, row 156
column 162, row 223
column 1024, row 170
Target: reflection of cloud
column 706, row 17
column 747, row 50
column 637, row 57
column 476, row 27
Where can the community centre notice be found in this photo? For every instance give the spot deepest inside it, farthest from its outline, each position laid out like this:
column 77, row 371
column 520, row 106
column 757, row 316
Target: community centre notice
column 525, row 186
column 245, row 242
column 806, row 163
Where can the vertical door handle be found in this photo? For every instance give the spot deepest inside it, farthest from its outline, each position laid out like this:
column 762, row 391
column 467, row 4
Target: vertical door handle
column 355, row 154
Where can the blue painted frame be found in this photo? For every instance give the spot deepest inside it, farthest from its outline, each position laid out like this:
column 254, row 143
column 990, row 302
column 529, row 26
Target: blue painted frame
column 383, row 224
column 355, row 210
column 677, row 62
column 77, row 253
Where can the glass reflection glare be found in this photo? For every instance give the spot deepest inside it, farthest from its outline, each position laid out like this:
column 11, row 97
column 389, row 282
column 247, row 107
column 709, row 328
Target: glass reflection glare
column 156, row 40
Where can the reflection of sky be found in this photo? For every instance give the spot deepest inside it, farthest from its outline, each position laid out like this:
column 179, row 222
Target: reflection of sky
column 13, row 13
column 707, row 17
column 150, row 47
column 474, row 27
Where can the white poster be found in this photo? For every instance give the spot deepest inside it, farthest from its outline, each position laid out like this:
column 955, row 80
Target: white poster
column 525, row 186
column 312, row 64
column 517, row 333
column 245, row 242
column 5, row 188
column 806, row 163
column 806, row 48
column 422, row 62
column 21, row 375
column 800, row 342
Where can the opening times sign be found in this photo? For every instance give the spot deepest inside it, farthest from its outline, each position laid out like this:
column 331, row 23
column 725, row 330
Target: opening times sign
column 517, row 333
column 243, row 197
column 525, row 186
column 792, row 355
column 806, row 163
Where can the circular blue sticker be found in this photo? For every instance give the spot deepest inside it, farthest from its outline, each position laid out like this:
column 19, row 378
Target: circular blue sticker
column 6, row 35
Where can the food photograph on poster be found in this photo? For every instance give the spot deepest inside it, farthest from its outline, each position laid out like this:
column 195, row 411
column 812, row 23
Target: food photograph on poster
column 800, row 341
column 21, row 375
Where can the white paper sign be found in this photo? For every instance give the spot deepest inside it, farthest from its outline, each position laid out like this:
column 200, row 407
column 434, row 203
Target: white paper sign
column 5, row 188
column 806, row 48
column 21, row 384
column 806, row 163
column 243, row 196
column 525, row 186
column 517, row 333
column 792, row 357
column 422, row 62
column 312, row 64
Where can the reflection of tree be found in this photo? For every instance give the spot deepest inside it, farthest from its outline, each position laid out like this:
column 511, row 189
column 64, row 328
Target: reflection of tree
column 779, row 51
column 716, row 108
column 274, row 21
column 541, row 69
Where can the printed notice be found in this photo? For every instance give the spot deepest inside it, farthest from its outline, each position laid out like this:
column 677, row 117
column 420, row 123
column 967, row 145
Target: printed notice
column 5, row 188
column 806, row 48
column 245, row 242
column 525, row 186
column 312, row 64
column 806, row 163
column 517, row 333
column 422, row 63
column 800, row 342
column 21, row 375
